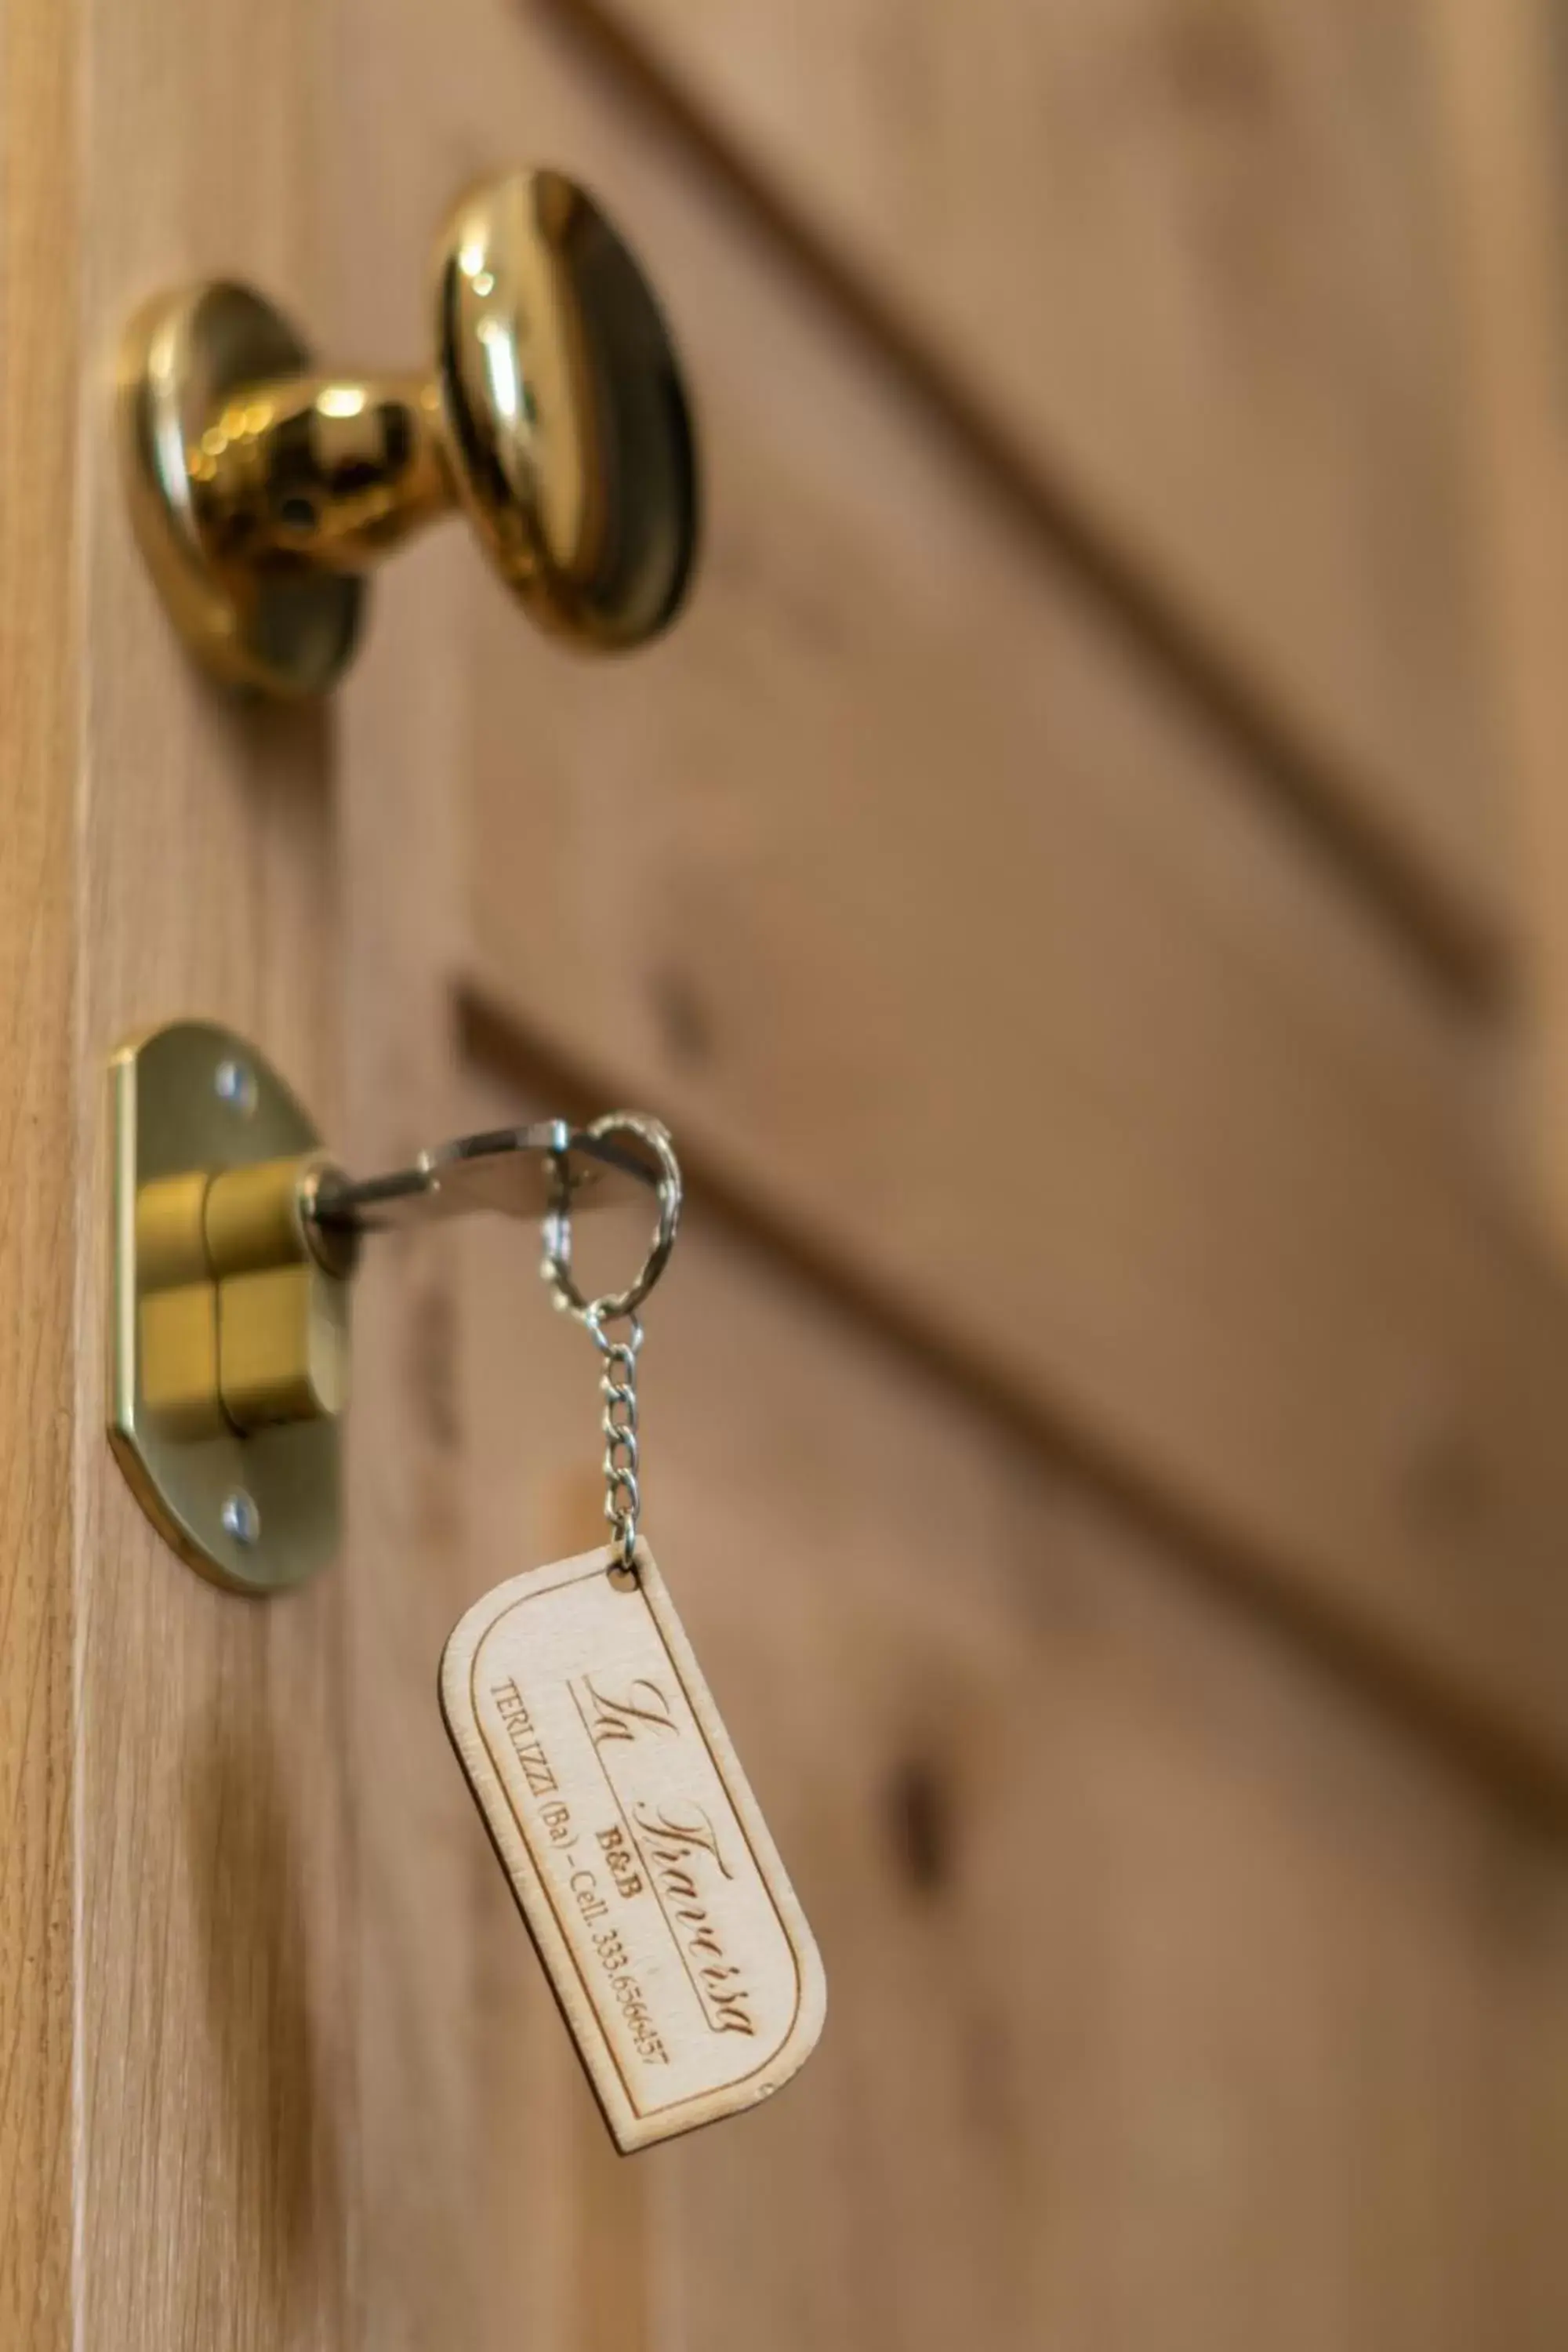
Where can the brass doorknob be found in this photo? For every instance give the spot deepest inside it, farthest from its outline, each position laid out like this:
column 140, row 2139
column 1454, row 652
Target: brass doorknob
column 262, row 491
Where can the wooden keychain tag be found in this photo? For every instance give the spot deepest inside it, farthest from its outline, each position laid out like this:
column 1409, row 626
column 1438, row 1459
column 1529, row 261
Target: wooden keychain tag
column 671, row 1937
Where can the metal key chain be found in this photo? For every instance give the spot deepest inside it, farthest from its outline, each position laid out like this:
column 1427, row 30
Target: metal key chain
column 618, row 1381
column 678, row 1952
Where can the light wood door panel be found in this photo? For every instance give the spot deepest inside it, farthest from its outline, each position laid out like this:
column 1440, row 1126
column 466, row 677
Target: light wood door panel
column 1188, row 1987
column 1174, row 1998
column 217, row 2131
column 957, row 938
column 38, row 1175
column 1501, row 73
column 1193, row 262
column 234, row 2088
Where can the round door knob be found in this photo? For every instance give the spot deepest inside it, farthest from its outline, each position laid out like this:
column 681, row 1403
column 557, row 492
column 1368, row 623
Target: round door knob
column 263, row 491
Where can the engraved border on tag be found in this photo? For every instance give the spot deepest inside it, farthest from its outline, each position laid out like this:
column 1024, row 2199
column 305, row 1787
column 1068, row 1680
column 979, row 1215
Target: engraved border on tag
column 676, row 2000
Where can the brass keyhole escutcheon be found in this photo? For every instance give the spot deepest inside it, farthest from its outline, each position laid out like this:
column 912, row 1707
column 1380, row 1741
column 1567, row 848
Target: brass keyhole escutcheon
column 229, row 1317
column 262, row 491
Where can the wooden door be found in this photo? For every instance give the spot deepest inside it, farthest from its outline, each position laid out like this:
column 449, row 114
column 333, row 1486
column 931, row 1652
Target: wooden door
column 1103, row 1422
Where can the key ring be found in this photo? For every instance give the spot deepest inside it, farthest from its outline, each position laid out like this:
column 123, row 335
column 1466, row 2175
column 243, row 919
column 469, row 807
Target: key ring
column 556, row 1268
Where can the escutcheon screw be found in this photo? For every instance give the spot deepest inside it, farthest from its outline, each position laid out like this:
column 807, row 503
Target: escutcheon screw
column 235, row 1084
column 241, row 1519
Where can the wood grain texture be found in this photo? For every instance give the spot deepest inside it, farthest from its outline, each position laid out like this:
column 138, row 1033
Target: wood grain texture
column 1501, row 73
column 1175, row 2000
column 40, row 652
column 954, row 940
column 215, row 2190
column 1189, row 259
column 424, row 2067
column 209, row 1873
column 1178, row 1998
